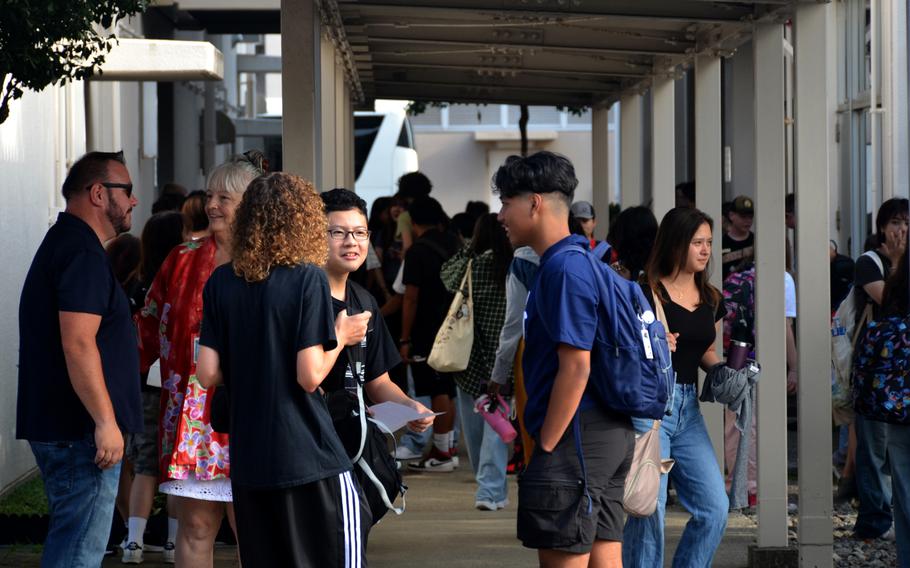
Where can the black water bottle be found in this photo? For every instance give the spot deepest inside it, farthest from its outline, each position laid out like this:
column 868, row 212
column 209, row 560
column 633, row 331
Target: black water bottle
column 740, row 347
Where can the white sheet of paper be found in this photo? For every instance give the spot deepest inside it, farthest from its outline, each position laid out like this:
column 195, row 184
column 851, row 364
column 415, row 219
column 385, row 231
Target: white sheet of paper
column 395, row 415
column 155, row 374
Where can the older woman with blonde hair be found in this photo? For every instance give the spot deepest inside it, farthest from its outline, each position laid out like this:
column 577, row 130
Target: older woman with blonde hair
column 194, row 459
column 270, row 335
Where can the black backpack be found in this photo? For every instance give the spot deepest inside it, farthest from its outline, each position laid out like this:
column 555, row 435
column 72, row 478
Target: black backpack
column 366, row 441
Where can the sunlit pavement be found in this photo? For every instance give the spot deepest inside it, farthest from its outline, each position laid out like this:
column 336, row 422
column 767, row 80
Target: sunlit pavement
column 442, row 528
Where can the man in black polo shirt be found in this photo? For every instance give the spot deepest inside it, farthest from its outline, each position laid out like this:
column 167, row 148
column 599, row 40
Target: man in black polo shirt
column 78, row 361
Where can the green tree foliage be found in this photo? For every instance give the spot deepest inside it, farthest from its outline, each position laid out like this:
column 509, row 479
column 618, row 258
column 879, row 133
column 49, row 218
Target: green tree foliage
column 49, row 42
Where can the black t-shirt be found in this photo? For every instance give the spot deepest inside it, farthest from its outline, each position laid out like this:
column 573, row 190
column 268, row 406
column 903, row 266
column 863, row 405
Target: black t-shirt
column 379, row 349
column 71, row 273
column 842, row 269
column 422, row 266
column 281, row 436
column 696, row 331
column 867, row 272
column 734, row 252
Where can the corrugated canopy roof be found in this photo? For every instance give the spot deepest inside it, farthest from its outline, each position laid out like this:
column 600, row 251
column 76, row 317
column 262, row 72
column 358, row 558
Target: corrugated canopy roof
column 553, row 52
column 564, row 52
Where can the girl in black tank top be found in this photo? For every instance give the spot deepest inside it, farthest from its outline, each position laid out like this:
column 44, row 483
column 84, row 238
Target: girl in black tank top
column 677, row 277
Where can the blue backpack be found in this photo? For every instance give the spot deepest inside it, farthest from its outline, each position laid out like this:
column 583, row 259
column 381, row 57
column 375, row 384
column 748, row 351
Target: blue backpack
column 631, row 354
column 602, row 248
column 881, row 371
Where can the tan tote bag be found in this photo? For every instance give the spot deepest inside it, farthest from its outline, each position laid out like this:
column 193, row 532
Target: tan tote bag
column 452, row 348
column 642, row 485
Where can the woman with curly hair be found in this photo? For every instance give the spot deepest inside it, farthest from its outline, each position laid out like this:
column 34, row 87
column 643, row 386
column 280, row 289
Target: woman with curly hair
column 270, row 335
column 194, row 459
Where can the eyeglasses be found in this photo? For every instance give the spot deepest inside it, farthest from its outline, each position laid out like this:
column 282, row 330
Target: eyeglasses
column 341, row 234
column 126, row 187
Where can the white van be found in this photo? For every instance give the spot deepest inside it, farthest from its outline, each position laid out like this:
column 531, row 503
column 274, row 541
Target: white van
column 383, row 152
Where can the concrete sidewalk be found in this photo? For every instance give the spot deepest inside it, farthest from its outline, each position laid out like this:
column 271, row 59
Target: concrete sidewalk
column 442, row 528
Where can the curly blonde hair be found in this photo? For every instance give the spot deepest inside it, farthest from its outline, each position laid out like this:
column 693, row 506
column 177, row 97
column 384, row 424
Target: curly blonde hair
column 280, row 222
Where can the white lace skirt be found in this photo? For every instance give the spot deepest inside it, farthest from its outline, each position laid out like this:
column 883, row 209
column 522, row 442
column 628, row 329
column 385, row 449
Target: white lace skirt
column 206, row 490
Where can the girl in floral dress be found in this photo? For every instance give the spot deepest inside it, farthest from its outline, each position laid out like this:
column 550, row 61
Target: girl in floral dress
column 194, row 460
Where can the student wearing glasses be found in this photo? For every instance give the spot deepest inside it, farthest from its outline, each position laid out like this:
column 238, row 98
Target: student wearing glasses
column 348, row 240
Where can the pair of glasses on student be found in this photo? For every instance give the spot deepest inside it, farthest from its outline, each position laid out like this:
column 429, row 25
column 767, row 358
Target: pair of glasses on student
column 341, row 234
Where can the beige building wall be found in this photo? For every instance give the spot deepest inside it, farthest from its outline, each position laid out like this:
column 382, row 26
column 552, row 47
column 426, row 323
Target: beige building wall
column 461, row 167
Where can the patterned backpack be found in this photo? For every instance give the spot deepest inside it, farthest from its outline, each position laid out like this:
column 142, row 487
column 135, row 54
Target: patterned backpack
column 881, row 371
column 739, row 300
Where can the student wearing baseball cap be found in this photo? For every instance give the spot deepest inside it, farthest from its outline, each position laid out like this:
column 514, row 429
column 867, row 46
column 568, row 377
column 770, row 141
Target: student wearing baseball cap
column 583, row 211
column 738, row 240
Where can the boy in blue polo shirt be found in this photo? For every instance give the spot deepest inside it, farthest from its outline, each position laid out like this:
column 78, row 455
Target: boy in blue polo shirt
column 561, row 319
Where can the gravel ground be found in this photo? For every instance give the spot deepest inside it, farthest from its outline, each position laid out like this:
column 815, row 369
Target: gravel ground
column 849, row 552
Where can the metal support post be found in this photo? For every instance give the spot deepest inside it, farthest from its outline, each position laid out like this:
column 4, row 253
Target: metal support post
column 663, row 144
column 349, row 139
column 326, row 96
column 600, row 133
column 340, row 131
column 709, row 195
column 768, row 40
column 813, row 142
column 631, row 150
column 300, row 49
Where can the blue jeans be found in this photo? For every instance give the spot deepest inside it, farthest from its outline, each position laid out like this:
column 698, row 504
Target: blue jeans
column 873, row 481
column 488, row 453
column 899, row 458
column 81, row 501
column 415, row 441
column 699, row 486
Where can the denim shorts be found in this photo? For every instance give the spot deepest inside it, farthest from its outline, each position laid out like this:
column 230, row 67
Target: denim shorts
column 552, row 506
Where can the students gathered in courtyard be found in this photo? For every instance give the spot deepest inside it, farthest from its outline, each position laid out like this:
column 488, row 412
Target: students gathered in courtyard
column 277, row 316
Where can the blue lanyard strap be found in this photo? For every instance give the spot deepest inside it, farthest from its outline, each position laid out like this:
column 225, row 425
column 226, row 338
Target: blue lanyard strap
column 576, row 428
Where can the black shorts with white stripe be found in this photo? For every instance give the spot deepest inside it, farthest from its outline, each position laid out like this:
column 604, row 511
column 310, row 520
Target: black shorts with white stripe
column 323, row 523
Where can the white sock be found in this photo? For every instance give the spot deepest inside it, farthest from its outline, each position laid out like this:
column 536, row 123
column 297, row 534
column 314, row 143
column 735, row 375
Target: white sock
column 171, row 529
column 136, row 528
column 441, row 442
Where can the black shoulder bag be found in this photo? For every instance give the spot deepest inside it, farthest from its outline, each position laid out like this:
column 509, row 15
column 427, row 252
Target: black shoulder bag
column 365, row 440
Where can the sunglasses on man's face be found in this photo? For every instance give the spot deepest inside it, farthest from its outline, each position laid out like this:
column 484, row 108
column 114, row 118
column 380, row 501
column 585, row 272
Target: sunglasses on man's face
column 126, row 187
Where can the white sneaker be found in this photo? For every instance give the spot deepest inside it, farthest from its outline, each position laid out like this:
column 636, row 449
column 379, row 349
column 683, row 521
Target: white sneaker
column 502, row 504
column 888, row 534
column 132, row 554
column 167, row 555
column 405, row 453
column 485, row 505
column 436, row 461
column 455, row 462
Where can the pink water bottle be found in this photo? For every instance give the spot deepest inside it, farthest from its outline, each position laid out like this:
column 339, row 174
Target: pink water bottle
column 498, row 419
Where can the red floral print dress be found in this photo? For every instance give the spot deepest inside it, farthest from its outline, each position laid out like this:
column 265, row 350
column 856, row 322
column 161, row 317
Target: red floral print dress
column 169, row 326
